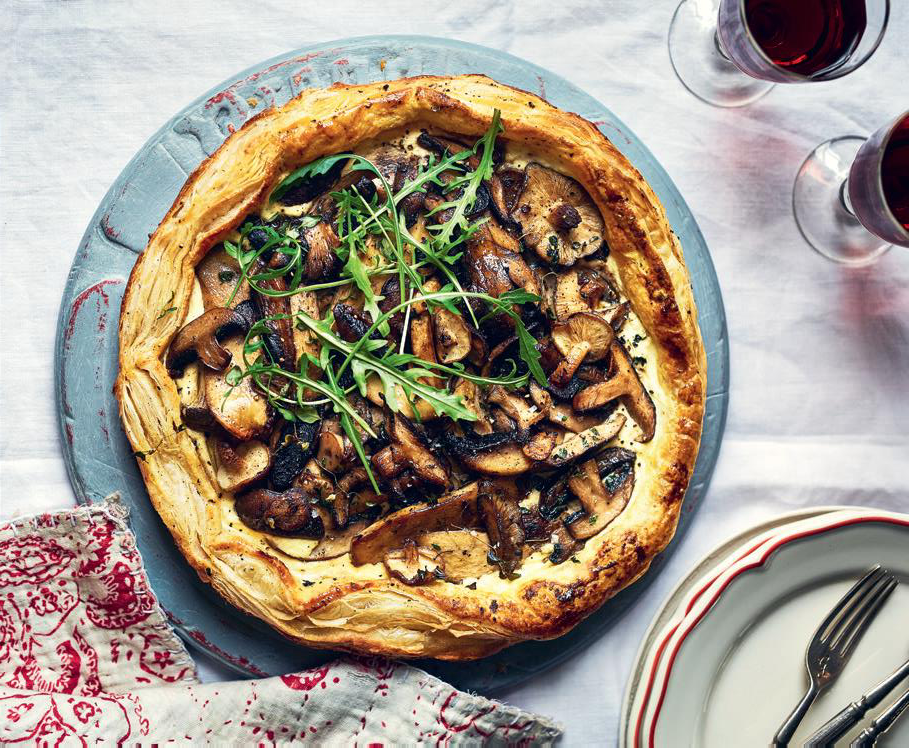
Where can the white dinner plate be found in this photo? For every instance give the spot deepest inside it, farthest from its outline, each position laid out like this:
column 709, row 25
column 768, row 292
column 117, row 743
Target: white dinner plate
column 672, row 610
column 734, row 667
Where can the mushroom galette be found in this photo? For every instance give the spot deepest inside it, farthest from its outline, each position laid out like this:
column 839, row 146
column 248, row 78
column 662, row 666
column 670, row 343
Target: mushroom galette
column 413, row 368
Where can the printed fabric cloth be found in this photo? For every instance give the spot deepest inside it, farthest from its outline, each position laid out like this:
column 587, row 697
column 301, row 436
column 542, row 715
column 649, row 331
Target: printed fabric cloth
column 87, row 657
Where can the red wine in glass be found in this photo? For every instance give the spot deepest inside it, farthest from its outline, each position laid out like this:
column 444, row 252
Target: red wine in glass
column 731, row 52
column 851, row 196
column 895, row 172
column 807, row 37
column 879, row 183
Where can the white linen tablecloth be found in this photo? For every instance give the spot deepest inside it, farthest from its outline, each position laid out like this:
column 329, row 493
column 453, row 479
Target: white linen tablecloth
column 819, row 409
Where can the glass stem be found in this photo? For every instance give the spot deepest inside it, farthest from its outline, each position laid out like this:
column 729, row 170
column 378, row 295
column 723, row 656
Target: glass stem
column 719, row 46
column 844, row 197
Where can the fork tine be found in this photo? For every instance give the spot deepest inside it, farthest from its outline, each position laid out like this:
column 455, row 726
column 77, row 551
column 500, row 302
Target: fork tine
column 850, row 637
column 860, row 587
column 851, row 617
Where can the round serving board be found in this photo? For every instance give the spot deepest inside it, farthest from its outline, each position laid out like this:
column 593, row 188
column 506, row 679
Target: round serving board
column 98, row 456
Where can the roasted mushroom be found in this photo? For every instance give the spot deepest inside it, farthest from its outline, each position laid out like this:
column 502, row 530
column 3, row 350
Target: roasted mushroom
column 626, row 385
column 241, row 465
column 541, row 444
column 413, row 565
column 582, row 337
column 558, row 219
column 218, row 275
column 335, row 452
column 291, row 512
column 498, row 506
column 350, row 323
column 494, row 263
column 321, row 261
column 461, row 554
column 280, row 340
column 292, row 448
column 454, row 511
column 508, row 459
column 201, row 339
column 601, row 503
column 505, row 188
column 524, row 414
column 577, row 445
column 453, row 336
column 408, row 450
column 236, row 405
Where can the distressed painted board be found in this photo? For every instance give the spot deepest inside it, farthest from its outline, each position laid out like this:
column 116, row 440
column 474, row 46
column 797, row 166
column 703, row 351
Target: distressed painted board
column 99, row 459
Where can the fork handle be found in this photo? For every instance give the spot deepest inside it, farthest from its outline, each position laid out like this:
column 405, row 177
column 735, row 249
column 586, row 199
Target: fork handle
column 787, row 730
column 839, row 725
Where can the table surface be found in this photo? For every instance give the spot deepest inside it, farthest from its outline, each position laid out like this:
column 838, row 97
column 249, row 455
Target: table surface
column 820, row 354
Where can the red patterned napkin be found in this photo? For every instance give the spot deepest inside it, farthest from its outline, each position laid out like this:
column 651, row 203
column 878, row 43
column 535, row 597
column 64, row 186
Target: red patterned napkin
column 87, row 656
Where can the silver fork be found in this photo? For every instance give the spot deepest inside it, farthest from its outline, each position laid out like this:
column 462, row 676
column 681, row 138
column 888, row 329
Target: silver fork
column 835, row 640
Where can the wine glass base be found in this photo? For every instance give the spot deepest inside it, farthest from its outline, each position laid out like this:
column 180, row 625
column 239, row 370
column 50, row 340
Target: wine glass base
column 697, row 61
column 820, row 210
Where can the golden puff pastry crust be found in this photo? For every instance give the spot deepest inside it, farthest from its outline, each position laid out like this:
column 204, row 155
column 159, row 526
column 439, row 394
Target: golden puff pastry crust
column 333, row 603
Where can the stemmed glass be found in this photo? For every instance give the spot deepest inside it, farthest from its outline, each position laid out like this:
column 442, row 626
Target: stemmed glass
column 731, row 52
column 851, row 196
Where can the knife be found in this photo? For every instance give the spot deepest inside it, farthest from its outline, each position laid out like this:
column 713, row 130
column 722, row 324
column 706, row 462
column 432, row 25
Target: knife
column 868, row 737
column 852, row 714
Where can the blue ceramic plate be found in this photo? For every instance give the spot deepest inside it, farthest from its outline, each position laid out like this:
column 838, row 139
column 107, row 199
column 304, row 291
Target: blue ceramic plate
column 98, row 456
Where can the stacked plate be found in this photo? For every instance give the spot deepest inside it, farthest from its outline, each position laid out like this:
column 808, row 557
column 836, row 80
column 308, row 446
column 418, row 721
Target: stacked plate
column 723, row 662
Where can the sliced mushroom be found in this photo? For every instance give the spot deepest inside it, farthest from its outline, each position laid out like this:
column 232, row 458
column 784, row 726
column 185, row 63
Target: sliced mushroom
column 336, row 452
column 292, row 447
column 602, row 504
column 350, row 323
column 616, row 315
column 577, row 445
column 218, row 275
column 505, row 188
column 563, row 415
column 413, row 565
column 541, row 444
column 470, row 399
column 524, row 414
column 291, row 512
column 508, row 459
column 494, row 263
column 564, row 544
column 376, row 394
column 453, row 337
column 241, row 465
column 305, row 341
column 197, row 416
column 454, row 511
column 558, row 219
column 321, row 261
column 422, row 345
column 498, row 506
column 408, row 450
column 626, row 385
column 201, row 339
column 462, row 554
column 239, row 408
column 280, row 339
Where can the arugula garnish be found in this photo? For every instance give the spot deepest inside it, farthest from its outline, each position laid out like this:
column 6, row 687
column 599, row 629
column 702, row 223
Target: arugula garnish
column 374, row 240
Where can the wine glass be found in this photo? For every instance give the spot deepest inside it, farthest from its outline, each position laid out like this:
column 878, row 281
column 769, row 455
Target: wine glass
column 851, row 196
column 731, row 52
